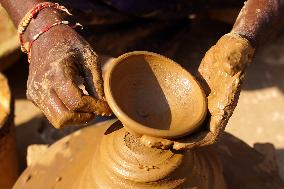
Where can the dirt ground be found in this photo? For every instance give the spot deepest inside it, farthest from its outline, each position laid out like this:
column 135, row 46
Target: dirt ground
column 258, row 118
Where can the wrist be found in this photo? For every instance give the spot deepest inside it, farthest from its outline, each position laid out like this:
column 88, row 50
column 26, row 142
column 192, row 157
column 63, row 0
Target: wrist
column 259, row 20
column 45, row 17
column 42, row 22
column 249, row 35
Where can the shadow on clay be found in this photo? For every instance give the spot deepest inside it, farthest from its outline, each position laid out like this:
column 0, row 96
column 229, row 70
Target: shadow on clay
column 114, row 127
column 139, row 95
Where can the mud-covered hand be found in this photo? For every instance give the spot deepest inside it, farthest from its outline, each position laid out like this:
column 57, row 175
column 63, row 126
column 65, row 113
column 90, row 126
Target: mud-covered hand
column 223, row 67
column 220, row 73
column 58, row 59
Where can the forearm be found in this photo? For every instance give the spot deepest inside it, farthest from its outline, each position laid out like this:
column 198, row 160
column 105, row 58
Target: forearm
column 17, row 9
column 258, row 19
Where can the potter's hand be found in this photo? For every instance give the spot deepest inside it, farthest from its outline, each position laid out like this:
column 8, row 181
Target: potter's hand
column 222, row 69
column 220, row 74
column 58, row 58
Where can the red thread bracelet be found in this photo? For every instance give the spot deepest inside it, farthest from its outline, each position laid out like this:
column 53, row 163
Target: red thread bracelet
column 32, row 14
column 45, row 29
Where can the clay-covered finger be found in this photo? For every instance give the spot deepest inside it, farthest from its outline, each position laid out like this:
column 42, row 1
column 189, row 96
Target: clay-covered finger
column 57, row 113
column 91, row 69
column 75, row 100
column 65, row 83
column 82, row 103
column 98, row 106
column 67, row 89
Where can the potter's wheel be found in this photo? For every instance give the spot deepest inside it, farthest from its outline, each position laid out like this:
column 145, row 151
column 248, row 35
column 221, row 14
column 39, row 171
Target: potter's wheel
column 64, row 162
column 71, row 162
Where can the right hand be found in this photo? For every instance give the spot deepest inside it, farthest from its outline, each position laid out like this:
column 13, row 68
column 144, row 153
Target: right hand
column 58, row 57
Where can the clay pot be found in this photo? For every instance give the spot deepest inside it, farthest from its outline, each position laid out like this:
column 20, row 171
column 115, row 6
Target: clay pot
column 8, row 155
column 152, row 95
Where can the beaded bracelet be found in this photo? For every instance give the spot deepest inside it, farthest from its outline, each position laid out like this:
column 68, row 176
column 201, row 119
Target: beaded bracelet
column 32, row 14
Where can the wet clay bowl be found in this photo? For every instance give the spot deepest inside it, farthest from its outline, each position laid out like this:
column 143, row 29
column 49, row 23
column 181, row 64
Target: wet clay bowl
column 152, row 95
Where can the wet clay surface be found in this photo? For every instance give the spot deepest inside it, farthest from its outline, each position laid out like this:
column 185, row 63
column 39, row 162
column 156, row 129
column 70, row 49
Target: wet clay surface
column 153, row 95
